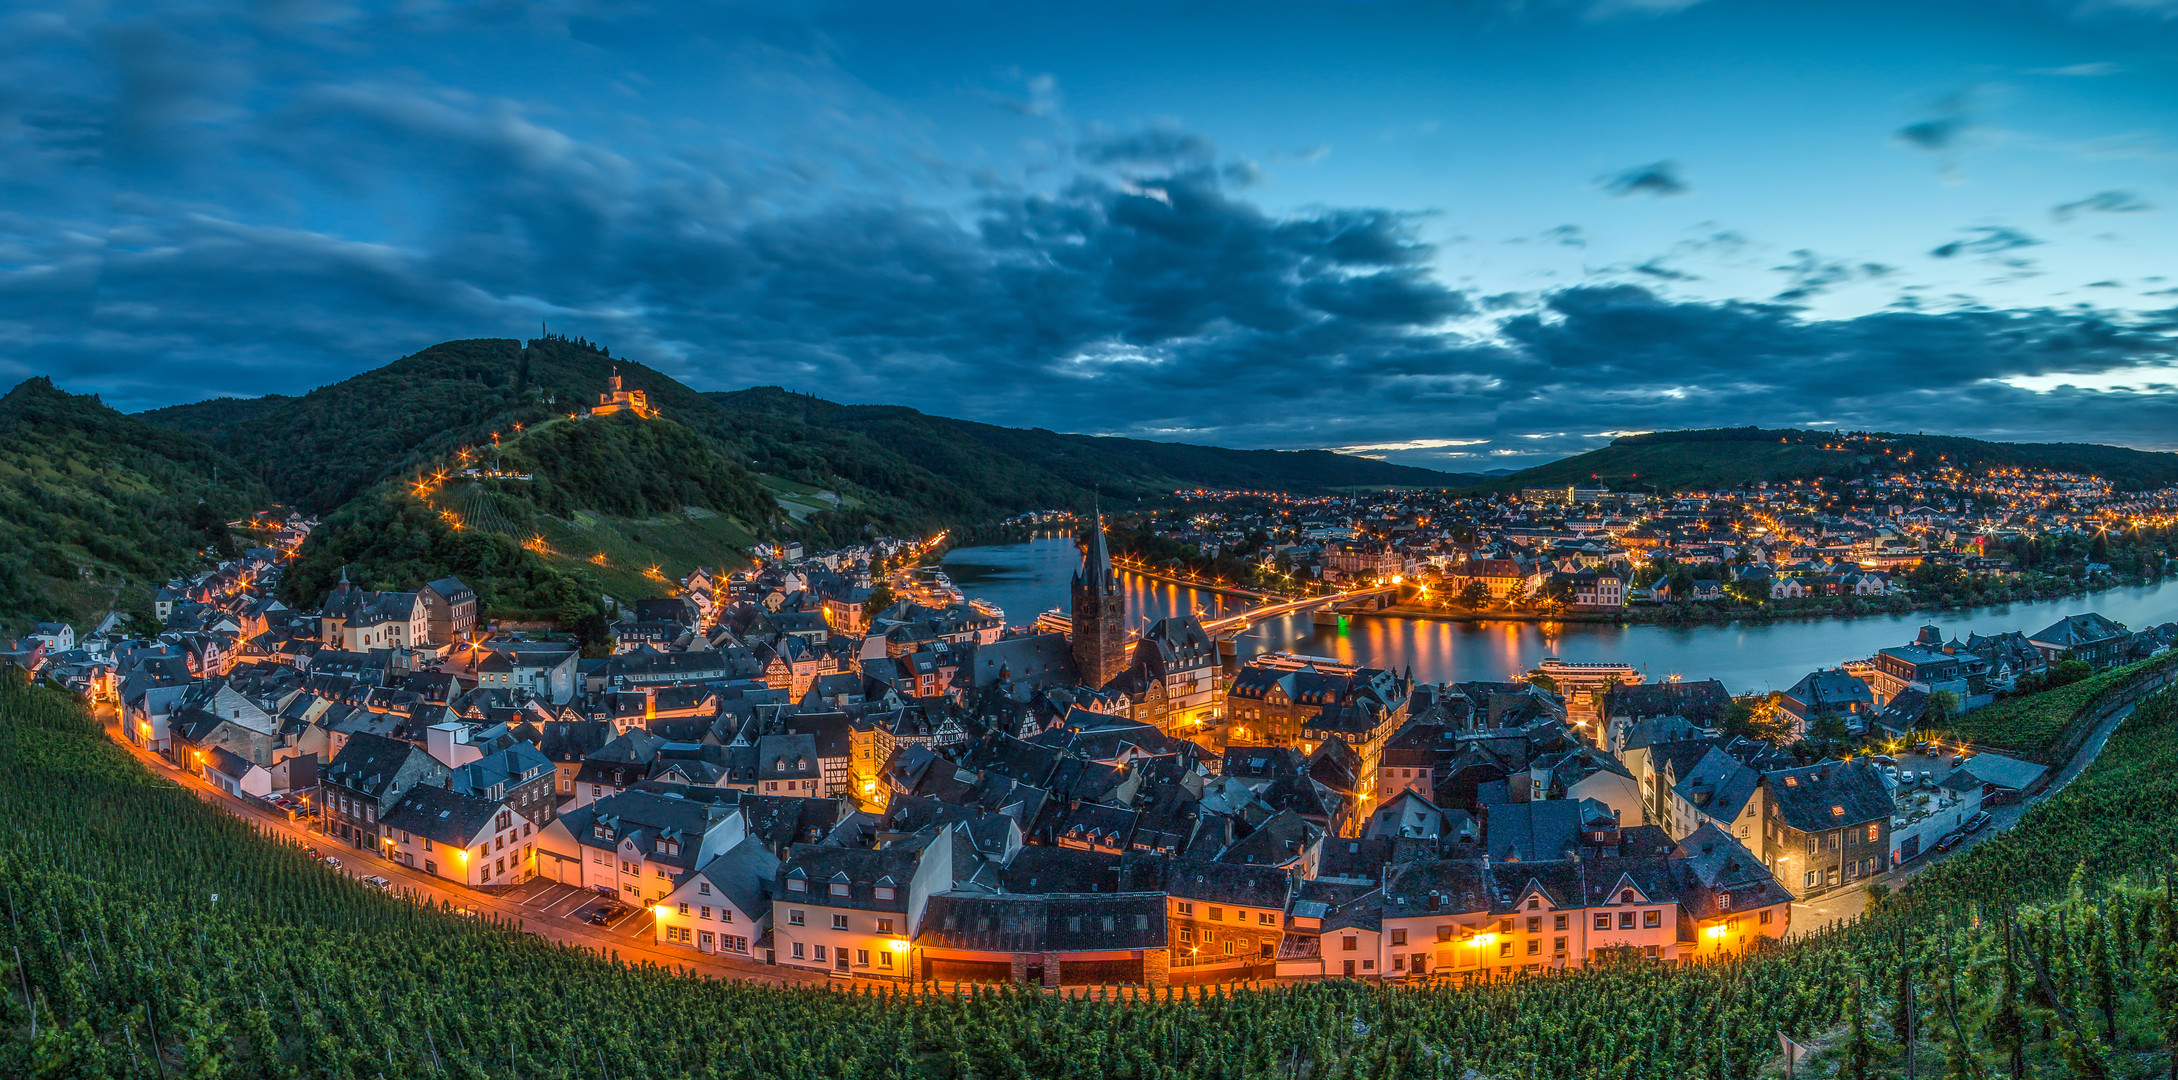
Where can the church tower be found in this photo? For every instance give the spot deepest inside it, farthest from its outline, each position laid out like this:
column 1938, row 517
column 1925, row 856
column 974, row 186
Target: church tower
column 1100, row 611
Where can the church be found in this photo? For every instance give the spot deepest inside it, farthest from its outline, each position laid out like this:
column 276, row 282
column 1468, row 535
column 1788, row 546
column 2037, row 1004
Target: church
column 1100, row 611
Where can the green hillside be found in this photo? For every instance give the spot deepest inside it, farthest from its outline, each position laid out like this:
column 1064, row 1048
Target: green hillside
column 608, row 499
column 1025, row 467
column 97, row 508
column 1727, row 457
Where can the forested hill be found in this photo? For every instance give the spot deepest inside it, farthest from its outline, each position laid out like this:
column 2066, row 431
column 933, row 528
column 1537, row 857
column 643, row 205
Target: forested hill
column 899, row 470
column 1727, row 457
column 97, row 508
column 1004, row 460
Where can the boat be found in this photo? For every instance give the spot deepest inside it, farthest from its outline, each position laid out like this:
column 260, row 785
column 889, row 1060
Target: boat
column 988, row 610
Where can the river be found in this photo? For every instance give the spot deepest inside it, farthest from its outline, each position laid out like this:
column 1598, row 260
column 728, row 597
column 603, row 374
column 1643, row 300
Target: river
column 1032, row 576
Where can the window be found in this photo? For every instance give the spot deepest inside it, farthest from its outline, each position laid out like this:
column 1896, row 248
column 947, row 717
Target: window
column 1346, row 944
column 1217, row 914
column 1724, row 901
column 838, row 888
column 1814, row 878
column 1603, row 920
column 884, row 959
column 1399, row 963
column 1444, row 933
column 1184, row 909
column 1625, row 920
column 706, row 911
column 1399, row 937
column 1187, row 934
column 725, row 914
column 1368, row 965
column 1504, row 949
column 1505, row 927
column 1557, row 922
column 1872, row 832
column 1535, row 924
column 1814, row 845
column 820, row 954
column 1266, row 918
column 1534, row 902
column 885, row 892
column 1650, row 920
column 1535, row 946
column 862, row 957
column 1627, row 897
column 703, row 888
column 794, row 917
column 798, row 950
column 1764, row 919
column 795, row 884
column 839, row 922
column 1557, row 945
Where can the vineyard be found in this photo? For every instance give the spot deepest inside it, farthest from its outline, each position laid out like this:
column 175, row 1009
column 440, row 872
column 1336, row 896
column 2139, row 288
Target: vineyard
column 159, row 937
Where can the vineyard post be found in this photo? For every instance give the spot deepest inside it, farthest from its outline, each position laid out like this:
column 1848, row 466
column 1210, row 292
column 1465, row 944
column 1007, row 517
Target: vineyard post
column 151, row 1032
column 24, row 974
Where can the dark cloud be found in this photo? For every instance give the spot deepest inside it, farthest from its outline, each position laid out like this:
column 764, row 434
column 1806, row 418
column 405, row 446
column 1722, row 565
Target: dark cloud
column 1157, row 146
column 2101, row 202
column 1945, row 134
column 1985, row 240
column 1810, row 274
column 1660, row 179
column 1140, row 293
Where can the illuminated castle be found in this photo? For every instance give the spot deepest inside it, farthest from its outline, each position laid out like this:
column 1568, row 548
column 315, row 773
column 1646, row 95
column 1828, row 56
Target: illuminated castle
column 621, row 399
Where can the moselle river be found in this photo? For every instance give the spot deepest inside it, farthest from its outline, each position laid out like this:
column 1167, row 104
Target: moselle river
column 1032, row 577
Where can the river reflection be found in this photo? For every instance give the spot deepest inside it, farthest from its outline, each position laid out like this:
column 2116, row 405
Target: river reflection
column 1033, row 576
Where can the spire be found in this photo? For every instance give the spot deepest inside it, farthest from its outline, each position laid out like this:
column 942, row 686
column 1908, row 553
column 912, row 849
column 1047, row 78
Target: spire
column 1096, row 560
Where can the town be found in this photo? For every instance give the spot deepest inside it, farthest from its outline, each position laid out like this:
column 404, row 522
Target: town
column 831, row 764
column 1923, row 535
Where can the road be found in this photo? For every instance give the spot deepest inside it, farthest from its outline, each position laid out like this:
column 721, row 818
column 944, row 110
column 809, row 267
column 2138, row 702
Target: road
column 1846, row 905
column 546, row 909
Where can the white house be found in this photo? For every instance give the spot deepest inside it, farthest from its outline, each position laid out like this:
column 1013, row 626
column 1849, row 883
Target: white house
column 723, row 905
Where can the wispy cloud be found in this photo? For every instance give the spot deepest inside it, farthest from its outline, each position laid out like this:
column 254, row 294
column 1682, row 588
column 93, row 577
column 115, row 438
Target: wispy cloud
column 2101, row 202
column 1660, row 179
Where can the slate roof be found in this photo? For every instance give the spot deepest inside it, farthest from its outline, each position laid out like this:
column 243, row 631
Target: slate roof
column 442, row 816
column 743, row 874
column 1048, row 923
column 1828, row 795
column 2078, row 631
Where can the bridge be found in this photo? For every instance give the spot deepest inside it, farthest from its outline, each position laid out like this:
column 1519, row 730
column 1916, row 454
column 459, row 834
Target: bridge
column 1235, row 624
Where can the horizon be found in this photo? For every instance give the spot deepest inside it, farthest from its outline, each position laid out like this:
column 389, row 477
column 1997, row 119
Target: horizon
column 1495, row 235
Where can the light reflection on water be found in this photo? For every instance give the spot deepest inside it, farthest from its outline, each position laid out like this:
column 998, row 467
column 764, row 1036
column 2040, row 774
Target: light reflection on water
column 1033, row 576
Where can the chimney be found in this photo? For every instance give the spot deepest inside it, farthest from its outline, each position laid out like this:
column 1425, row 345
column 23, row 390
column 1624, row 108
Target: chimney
column 1434, row 899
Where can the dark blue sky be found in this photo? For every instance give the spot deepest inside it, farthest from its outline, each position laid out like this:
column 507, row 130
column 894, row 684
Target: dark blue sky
column 1461, row 235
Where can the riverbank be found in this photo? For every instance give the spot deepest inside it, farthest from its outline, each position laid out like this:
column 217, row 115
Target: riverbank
column 1682, row 615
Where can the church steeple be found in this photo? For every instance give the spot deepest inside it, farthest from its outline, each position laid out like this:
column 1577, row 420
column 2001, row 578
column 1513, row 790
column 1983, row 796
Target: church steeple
column 1096, row 560
column 1100, row 610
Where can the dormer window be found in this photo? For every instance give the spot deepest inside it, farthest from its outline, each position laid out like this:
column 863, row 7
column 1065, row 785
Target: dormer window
column 1627, row 897
column 885, row 892
column 797, row 885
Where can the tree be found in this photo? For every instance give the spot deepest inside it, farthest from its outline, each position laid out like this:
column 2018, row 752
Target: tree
column 1942, row 708
column 1474, row 596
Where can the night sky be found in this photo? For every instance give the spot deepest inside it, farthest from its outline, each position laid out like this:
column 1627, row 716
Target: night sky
column 1462, row 235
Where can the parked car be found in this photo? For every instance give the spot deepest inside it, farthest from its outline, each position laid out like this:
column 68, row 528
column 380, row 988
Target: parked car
column 606, row 913
column 466, row 913
column 1907, row 777
column 376, row 882
column 1883, row 759
column 1933, row 751
column 1950, row 841
column 1975, row 823
column 1958, row 760
column 332, row 862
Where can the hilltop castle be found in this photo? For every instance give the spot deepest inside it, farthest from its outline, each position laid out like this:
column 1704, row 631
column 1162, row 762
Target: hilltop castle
column 620, row 399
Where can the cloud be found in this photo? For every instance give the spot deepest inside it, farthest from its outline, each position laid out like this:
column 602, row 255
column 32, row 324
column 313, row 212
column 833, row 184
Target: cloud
column 1660, row 179
column 1945, row 134
column 2102, row 202
column 2081, row 71
column 1986, row 240
column 1135, row 286
column 1810, row 275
